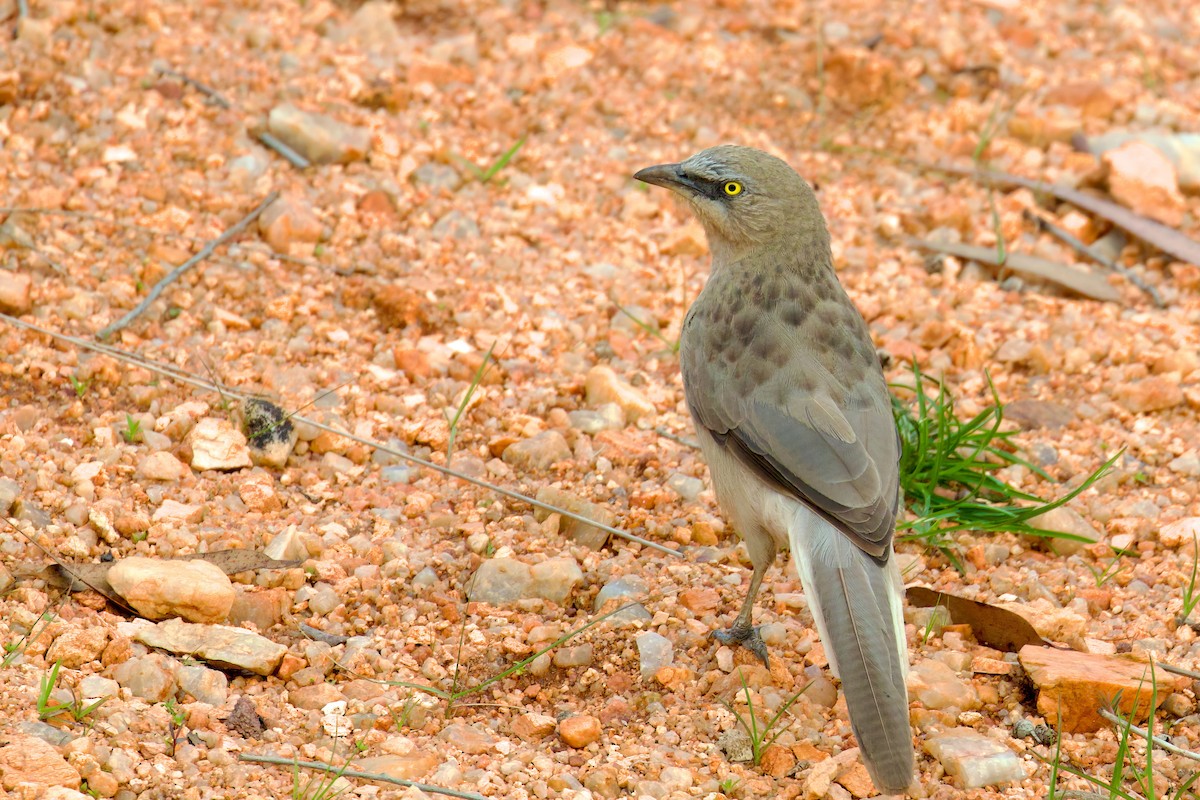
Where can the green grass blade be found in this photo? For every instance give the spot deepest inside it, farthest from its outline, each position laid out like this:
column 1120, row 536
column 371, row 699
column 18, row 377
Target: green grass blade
column 502, row 162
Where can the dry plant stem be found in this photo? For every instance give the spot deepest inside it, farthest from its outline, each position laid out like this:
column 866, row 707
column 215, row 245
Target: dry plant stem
column 173, row 276
column 203, row 88
column 1087, row 250
column 192, row 380
column 295, row 159
column 1141, row 732
column 353, row 773
column 509, row 493
column 681, row 440
column 1187, row 673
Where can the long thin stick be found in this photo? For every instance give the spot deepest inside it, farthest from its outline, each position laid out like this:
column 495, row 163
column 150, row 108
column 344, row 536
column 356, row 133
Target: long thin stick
column 1187, row 673
column 353, row 773
column 204, row 253
column 1141, row 733
column 1072, row 241
column 295, row 159
column 204, row 89
column 192, row 380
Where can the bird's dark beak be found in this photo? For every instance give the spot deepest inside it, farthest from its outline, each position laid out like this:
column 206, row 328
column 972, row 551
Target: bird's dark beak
column 670, row 176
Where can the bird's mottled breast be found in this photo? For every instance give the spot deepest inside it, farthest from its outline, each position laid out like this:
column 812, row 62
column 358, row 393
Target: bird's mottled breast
column 748, row 325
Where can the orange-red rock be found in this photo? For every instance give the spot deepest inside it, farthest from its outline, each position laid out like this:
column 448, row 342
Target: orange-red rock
column 1077, row 685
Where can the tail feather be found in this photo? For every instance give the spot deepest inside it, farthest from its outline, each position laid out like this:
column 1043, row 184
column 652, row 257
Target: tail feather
column 855, row 602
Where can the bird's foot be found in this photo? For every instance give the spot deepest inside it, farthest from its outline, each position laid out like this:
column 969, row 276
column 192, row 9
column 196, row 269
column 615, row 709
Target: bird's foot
column 747, row 636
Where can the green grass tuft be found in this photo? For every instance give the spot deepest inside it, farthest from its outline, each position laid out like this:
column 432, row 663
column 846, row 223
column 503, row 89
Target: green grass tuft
column 761, row 737
column 480, row 372
column 48, row 709
column 948, row 470
column 485, row 175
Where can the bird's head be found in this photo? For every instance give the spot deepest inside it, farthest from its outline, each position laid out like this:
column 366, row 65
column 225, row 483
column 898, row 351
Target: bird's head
column 744, row 198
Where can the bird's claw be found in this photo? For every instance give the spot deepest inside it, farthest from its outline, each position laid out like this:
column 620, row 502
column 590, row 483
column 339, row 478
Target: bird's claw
column 746, row 636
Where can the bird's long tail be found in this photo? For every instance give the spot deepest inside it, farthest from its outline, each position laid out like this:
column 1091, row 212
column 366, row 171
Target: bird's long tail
column 855, row 602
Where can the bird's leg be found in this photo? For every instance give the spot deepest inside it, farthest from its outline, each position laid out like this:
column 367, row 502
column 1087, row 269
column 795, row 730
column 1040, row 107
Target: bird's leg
column 743, row 631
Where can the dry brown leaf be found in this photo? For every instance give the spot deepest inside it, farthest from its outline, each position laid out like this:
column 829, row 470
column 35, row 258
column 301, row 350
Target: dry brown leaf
column 992, row 626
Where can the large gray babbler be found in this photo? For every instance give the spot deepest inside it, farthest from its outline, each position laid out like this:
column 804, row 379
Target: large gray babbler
column 793, row 415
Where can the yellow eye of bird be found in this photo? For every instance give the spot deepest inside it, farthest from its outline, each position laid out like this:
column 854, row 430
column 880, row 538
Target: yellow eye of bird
column 733, row 188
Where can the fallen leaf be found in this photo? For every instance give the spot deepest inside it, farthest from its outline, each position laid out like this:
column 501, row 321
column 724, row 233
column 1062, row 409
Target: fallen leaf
column 234, row 561
column 993, row 626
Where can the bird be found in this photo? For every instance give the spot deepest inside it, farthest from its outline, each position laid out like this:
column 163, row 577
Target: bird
column 792, row 412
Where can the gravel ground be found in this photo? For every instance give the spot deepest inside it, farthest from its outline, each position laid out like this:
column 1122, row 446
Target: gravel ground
column 369, row 295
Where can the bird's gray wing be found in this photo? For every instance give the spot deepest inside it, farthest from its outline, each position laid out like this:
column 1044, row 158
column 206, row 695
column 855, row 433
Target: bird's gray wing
column 832, row 446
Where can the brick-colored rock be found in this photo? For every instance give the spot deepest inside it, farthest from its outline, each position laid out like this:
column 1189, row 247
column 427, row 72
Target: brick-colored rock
column 78, row 646
column 991, row 666
column 257, row 491
column 1155, row 393
column 1093, row 98
column 29, row 760
column 579, row 730
column 289, row 665
column 15, row 292
column 1145, row 180
column 408, row 766
column 1077, row 685
column 856, row 781
column 777, row 761
column 532, row 727
column 289, row 223
column 674, row 677
column 700, row 600
column 412, row 363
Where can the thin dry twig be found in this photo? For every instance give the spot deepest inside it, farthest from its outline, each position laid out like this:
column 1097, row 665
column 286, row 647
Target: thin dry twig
column 203, row 88
column 1142, row 733
column 683, row 440
column 1187, row 673
column 192, row 380
column 1073, row 242
column 353, row 773
column 204, row 253
column 295, row 159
